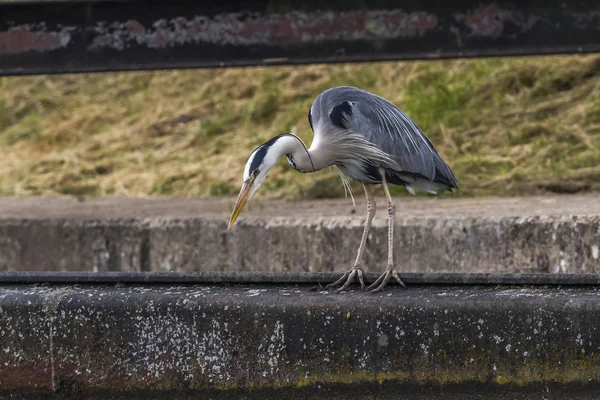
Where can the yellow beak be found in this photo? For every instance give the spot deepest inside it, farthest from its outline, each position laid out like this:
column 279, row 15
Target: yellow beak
column 241, row 201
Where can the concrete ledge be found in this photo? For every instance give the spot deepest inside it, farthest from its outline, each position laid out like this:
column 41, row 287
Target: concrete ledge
column 411, row 278
column 270, row 340
column 566, row 244
column 540, row 234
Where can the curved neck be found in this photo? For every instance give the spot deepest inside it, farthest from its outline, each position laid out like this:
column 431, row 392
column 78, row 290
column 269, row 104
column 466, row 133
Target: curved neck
column 299, row 157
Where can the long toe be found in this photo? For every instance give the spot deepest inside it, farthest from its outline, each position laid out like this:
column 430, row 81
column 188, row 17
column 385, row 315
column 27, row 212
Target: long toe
column 383, row 280
column 339, row 281
column 395, row 274
column 376, row 283
column 380, row 283
column 347, row 279
column 361, row 279
column 348, row 282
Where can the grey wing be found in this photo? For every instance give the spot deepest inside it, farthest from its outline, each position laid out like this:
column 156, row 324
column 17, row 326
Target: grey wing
column 390, row 129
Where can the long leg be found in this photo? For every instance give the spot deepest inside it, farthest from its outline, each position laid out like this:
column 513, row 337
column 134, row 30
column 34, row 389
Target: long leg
column 390, row 271
column 356, row 270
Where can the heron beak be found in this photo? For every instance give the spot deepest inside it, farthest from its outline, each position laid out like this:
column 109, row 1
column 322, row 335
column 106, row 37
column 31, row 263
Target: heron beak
column 241, row 201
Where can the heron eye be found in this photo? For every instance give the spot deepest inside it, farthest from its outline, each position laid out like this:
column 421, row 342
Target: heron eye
column 255, row 173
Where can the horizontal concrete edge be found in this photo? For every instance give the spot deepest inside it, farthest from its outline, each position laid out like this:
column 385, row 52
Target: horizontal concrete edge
column 411, row 278
column 557, row 244
column 252, row 339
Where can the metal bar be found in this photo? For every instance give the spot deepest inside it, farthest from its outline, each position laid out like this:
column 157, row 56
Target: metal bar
column 417, row 279
column 285, row 341
column 84, row 36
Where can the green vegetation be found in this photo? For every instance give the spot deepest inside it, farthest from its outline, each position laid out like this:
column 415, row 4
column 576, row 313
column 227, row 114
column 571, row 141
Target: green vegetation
column 505, row 126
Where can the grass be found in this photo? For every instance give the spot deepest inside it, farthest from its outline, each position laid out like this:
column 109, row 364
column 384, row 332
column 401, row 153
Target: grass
column 505, row 126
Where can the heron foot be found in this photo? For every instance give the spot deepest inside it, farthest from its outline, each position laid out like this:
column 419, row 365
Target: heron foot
column 383, row 280
column 348, row 277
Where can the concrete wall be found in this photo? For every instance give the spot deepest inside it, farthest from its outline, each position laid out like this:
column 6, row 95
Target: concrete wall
column 287, row 342
column 423, row 244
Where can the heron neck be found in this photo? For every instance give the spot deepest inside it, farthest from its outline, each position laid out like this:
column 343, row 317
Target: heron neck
column 303, row 159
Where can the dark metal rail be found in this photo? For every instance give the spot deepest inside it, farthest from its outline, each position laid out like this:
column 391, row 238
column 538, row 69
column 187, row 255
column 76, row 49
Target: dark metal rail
column 75, row 36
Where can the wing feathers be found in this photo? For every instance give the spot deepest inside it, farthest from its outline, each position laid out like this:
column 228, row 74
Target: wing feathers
column 389, row 129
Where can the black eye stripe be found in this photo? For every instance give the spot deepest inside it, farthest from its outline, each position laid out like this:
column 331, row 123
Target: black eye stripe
column 258, row 157
column 261, row 152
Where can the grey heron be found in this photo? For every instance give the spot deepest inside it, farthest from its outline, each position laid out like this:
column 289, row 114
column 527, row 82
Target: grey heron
column 368, row 139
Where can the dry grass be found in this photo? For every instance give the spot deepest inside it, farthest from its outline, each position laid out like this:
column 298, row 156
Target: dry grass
column 505, row 126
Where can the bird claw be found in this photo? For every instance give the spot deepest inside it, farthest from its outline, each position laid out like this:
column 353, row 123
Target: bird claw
column 348, row 277
column 383, row 280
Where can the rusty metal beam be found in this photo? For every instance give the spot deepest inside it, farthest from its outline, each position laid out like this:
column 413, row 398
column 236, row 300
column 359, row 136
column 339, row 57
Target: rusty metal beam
column 255, row 340
column 75, row 36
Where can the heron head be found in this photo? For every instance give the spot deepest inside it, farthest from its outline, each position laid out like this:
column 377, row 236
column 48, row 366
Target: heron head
column 262, row 159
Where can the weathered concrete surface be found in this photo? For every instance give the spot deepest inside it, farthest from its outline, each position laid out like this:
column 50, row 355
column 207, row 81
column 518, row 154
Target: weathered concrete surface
column 269, row 341
column 536, row 234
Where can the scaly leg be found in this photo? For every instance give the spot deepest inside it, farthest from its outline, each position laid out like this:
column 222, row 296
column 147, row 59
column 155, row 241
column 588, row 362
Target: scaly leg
column 349, row 276
column 390, row 271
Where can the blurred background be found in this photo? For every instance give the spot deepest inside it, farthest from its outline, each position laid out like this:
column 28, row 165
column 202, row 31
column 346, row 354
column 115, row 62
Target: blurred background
column 506, row 126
